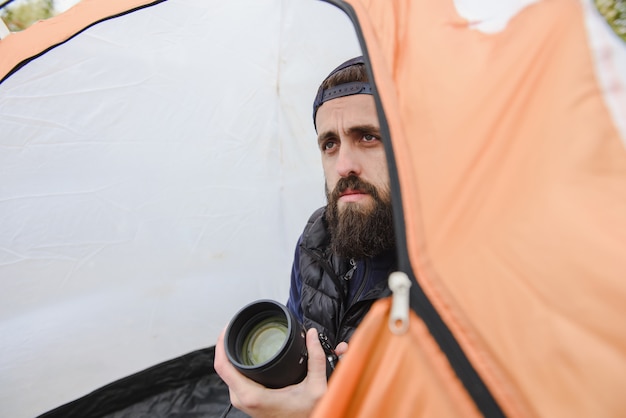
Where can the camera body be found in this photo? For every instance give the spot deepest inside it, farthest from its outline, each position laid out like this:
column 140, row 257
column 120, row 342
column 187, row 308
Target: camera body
column 266, row 343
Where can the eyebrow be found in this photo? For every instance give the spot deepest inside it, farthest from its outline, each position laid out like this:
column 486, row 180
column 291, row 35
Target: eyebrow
column 352, row 131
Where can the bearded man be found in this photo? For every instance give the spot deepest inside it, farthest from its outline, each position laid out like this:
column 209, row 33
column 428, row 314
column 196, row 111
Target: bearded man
column 347, row 249
column 346, row 252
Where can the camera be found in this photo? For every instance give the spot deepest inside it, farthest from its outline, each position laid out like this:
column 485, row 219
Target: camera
column 266, row 343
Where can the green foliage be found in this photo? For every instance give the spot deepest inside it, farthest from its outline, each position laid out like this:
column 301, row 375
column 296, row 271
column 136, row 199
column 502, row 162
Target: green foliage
column 614, row 11
column 20, row 15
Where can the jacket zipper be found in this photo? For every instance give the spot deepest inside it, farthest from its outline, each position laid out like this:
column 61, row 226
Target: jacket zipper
column 350, row 272
column 326, row 266
column 361, row 285
column 358, row 293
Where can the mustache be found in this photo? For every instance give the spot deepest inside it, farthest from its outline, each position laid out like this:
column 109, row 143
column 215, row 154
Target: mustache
column 353, row 183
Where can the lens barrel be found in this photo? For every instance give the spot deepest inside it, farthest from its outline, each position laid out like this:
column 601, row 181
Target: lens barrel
column 266, row 343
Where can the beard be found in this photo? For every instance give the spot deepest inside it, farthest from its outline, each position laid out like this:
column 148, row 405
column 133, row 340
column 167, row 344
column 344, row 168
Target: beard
column 360, row 231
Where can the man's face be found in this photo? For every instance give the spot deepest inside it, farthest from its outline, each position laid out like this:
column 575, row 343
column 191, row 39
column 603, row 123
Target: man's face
column 349, row 140
column 357, row 179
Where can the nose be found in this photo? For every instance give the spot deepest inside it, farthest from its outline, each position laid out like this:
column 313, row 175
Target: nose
column 347, row 162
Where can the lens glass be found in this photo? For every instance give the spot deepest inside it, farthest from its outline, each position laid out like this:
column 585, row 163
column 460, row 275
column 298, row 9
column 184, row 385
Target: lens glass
column 264, row 341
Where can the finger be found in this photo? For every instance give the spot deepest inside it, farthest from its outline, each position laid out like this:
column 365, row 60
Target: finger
column 221, row 363
column 317, row 358
column 341, row 349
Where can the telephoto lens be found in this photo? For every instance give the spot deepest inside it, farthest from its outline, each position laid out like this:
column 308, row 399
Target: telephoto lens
column 266, row 343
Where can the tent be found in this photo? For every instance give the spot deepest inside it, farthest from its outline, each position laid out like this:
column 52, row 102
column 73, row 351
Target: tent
column 506, row 126
column 158, row 163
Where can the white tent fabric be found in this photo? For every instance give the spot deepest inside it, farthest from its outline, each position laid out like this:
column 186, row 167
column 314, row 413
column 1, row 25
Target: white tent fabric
column 155, row 173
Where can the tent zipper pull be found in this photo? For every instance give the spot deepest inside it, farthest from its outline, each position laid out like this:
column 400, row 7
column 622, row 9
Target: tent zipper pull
column 399, row 283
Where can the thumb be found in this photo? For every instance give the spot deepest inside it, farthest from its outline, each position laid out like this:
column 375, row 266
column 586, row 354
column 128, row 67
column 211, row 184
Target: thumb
column 341, row 349
column 317, row 358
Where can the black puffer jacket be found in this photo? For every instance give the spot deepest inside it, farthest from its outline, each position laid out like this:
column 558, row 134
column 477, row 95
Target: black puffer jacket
column 330, row 293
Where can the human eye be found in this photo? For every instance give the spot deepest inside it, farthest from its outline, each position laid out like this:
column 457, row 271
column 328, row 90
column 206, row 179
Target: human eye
column 370, row 138
column 328, row 146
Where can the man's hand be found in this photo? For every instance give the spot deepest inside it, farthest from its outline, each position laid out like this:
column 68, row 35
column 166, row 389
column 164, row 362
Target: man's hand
column 260, row 402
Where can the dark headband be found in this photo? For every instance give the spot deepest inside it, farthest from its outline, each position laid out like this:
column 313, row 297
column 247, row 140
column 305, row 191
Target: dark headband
column 341, row 90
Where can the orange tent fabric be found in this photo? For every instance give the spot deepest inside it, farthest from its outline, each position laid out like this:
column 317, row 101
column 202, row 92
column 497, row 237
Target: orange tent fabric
column 512, row 182
column 397, row 375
